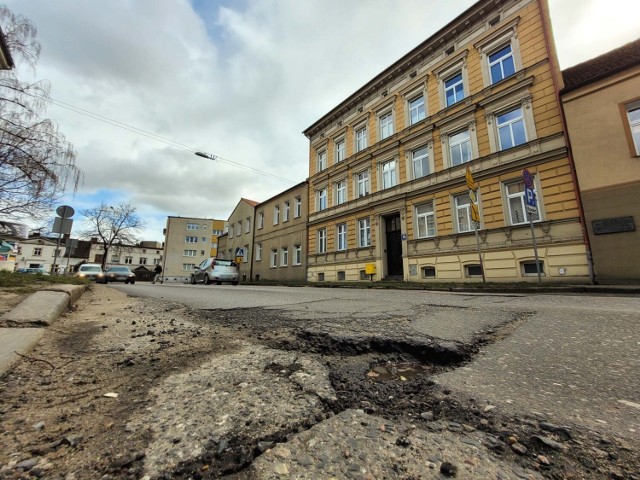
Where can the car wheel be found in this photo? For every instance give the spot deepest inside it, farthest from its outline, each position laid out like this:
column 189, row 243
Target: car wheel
column 193, row 279
column 218, row 283
column 207, row 281
column 126, row 281
column 132, row 282
column 234, row 283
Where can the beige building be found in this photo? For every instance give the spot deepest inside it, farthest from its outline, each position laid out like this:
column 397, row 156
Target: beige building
column 601, row 100
column 280, row 238
column 387, row 166
column 240, row 237
column 189, row 241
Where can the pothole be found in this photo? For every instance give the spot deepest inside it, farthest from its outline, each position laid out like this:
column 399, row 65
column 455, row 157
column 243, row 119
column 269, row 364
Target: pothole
column 398, row 372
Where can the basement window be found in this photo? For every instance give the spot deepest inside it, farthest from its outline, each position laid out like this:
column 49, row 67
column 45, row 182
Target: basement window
column 473, row 270
column 529, row 268
column 321, row 277
column 429, row 272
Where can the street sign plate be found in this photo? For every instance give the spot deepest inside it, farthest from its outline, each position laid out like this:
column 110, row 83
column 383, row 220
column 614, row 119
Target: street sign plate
column 530, row 197
column 528, row 178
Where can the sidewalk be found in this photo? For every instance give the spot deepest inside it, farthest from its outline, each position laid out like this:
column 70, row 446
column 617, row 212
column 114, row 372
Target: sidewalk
column 22, row 327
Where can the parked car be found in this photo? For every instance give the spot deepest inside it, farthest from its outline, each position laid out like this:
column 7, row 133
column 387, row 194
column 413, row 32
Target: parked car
column 216, row 270
column 120, row 274
column 91, row 271
column 33, row 271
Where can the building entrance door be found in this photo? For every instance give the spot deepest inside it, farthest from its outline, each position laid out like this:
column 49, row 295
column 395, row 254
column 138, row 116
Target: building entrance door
column 393, row 230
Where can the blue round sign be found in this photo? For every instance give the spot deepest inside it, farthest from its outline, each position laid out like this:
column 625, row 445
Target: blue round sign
column 528, row 178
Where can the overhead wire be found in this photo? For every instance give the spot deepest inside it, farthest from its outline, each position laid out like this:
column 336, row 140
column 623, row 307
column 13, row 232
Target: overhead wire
column 156, row 137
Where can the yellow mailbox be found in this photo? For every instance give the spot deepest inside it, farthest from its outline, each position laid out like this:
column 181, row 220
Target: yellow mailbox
column 370, row 268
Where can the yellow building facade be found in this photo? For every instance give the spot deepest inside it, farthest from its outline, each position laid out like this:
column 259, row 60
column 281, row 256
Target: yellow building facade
column 387, row 187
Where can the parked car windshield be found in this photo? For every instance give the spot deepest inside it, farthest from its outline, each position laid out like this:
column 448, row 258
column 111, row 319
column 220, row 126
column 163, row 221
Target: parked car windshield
column 118, row 269
column 90, row 269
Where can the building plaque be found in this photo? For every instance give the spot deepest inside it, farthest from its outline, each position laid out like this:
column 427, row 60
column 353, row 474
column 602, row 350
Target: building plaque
column 613, row 225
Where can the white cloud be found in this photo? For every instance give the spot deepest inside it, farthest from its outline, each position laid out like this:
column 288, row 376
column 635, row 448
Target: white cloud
column 239, row 80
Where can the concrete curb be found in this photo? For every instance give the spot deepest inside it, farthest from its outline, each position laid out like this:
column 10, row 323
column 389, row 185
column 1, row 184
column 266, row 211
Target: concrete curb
column 39, row 309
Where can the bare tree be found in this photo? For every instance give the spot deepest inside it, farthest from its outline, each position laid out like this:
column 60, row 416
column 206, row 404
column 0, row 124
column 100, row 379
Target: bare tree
column 112, row 226
column 37, row 164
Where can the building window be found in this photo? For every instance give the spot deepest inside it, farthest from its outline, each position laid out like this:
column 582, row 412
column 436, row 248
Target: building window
column 511, row 131
column 463, row 213
column 362, row 180
column 192, row 226
column 321, row 277
column 201, row 252
column 287, row 209
column 276, row 214
column 322, row 199
column 231, row 231
column 389, row 175
column 190, row 239
column 420, row 162
column 260, row 220
column 361, row 139
column 417, row 110
column 453, row 89
column 429, row 272
column 460, row 148
column 473, row 270
column 340, row 151
column 426, row 220
column 284, row 256
column 364, row 232
column 115, row 259
column 143, row 260
column 322, row 240
column 363, row 275
column 342, row 236
column 517, row 204
column 633, row 114
column 239, row 228
column 258, row 252
column 37, row 252
column 341, row 192
column 501, row 64
column 189, row 253
column 128, row 260
column 386, row 125
column 188, row 266
column 274, row 258
column 298, row 208
column 341, row 276
column 322, row 160
column 297, row 254
column 156, row 261
column 247, row 225
column 529, row 268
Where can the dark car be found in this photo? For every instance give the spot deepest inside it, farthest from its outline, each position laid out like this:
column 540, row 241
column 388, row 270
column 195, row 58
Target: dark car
column 120, row 274
column 33, row 271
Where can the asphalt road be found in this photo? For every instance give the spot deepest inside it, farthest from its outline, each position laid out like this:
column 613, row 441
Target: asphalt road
column 571, row 359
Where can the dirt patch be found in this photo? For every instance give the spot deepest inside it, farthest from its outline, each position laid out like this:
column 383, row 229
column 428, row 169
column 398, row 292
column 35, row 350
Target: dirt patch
column 8, row 300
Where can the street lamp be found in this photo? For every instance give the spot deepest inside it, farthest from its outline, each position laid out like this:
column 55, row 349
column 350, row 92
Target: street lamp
column 206, row 155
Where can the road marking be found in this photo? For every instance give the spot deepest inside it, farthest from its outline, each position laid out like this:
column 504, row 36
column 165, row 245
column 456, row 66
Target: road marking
column 629, row 404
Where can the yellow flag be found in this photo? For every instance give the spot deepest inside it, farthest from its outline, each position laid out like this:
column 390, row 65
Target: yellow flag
column 470, row 182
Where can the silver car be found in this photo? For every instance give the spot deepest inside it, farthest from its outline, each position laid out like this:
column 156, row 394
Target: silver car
column 91, row 271
column 120, row 274
column 216, row 270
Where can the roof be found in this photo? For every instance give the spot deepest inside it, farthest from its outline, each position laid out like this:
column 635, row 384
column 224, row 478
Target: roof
column 253, row 203
column 607, row 64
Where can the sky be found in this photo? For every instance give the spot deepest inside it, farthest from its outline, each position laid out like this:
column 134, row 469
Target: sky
column 139, row 86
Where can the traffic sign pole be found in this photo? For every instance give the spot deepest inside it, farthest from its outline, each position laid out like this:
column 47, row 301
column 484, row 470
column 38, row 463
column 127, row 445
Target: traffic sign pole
column 532, row 209
column 475, row 215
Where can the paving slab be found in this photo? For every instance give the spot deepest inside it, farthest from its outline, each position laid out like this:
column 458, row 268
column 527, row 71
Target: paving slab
column 14, row 340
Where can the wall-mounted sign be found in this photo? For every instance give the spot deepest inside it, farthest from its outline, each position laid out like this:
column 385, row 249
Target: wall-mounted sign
column 613, row 225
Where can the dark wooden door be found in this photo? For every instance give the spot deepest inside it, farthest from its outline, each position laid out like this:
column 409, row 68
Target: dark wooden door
column 393, row 230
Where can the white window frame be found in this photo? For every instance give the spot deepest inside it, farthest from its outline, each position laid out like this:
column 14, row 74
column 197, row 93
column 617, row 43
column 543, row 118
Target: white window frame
column 503, row 105
column 321, row 199
column 425, row 156
column 425, row 219
column 389, row 173
column 466, row 208
column 322, row 160
column 360, row 136
column 322, row 240
column 458, row 97
column 258, row 250
column 260, row 220
column 284, row 256
column 496, row 40
column 364, row 232
column 363, row 185
column 341, row 237
column 297, row 254
column 634, row 125
column 340, row 150
column 128, row 260
column 508, row 197
column 386, row 124
column 451, row 129
column 341, row 192
column 189, row 253
column 276, row 214
column 193, row 226
column 188, row 266
column 500, row 61
column 456, row 63
column 411, row 109
column 461, row 141
column 286, row 211
column 509, row 125
column 247, row 225
column 298, row 208
column 190, row 239
column 273, row 258
column 37, row 251
column 238, row 228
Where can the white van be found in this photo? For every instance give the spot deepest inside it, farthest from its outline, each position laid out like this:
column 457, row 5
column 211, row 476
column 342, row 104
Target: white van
column 216, row 270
